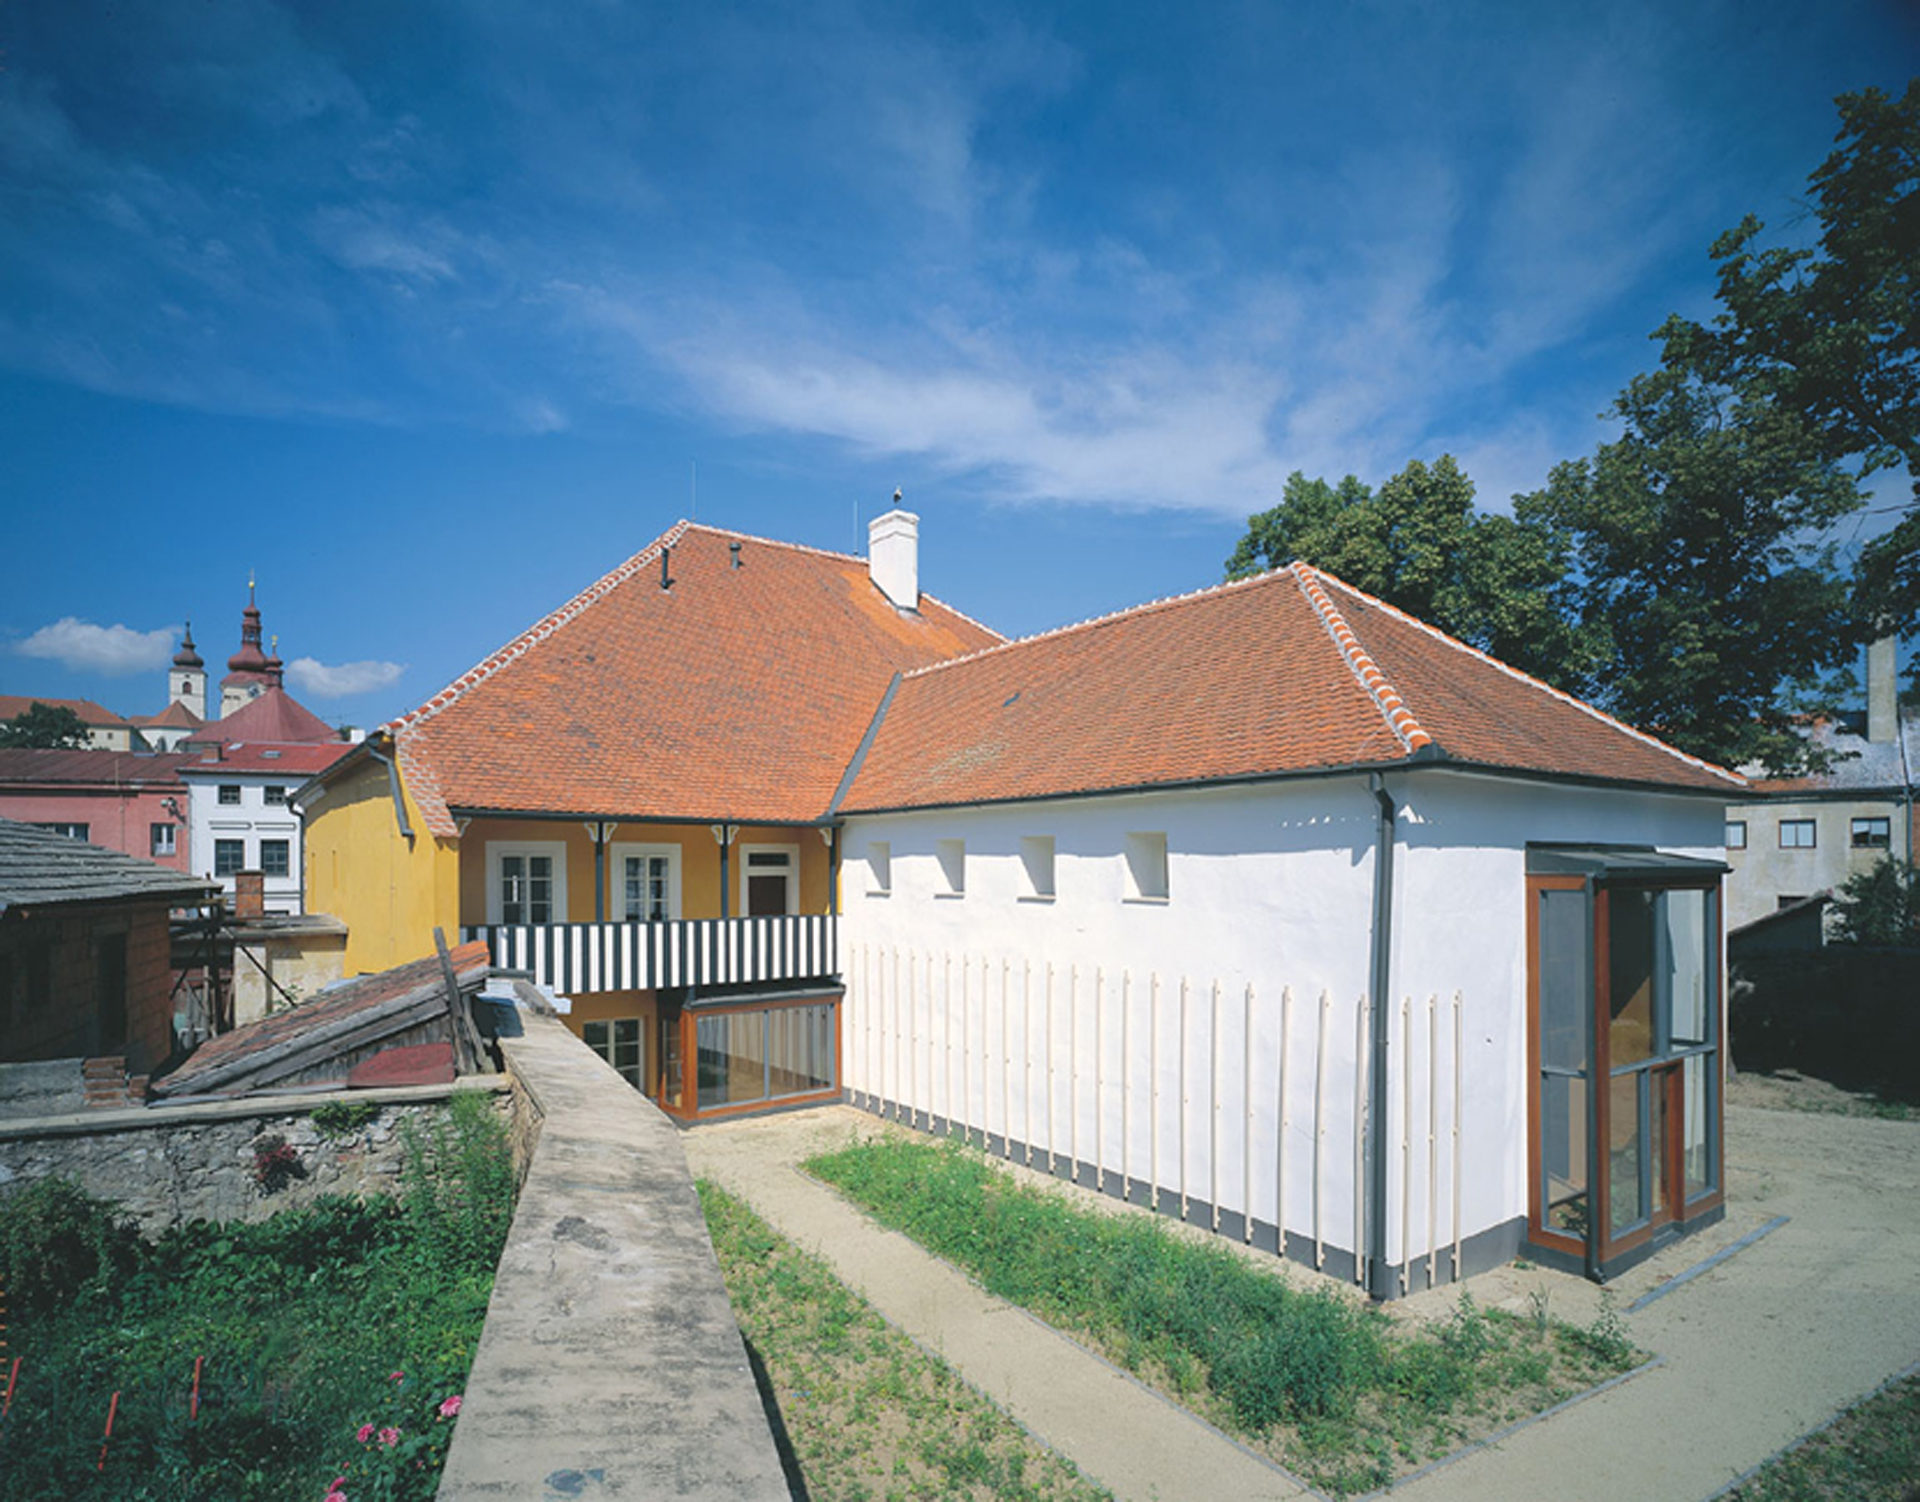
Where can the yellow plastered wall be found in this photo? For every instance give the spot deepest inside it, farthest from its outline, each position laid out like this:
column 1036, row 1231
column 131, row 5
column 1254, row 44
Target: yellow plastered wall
column 361, row 870
column 699, row 863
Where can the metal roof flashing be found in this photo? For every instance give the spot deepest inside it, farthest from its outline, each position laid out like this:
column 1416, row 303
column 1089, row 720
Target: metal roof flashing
column 1617, row 862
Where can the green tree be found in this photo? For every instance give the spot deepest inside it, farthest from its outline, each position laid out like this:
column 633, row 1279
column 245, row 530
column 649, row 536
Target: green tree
column 1712, row 613
column 44, row 727
column 1420, row 544
column 1831, row 332
column 1879, row 906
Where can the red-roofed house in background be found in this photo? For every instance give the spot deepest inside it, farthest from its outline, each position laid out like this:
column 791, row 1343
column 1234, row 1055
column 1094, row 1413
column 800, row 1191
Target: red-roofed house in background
column 1269, row 905
column 106, row 731
column 130, row 801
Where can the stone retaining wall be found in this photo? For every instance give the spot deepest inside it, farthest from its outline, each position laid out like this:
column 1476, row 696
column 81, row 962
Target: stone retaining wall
column 166, row 1165
column 610, row 1365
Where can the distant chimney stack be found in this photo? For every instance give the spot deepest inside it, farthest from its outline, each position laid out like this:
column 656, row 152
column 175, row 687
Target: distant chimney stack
column 893, row 556
column 1883, row 713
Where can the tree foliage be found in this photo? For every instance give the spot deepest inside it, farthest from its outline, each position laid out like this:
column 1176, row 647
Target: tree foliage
column 1880, row 905
column 1707, row 614
column 44, row 727
column 1419, row 544
column 1831, row 332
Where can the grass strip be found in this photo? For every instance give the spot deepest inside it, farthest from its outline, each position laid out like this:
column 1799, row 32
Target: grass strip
column 1870, row 1454
column 1335, row 1390
column 868, row 1413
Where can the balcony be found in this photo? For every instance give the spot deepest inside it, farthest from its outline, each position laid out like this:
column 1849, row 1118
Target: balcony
column 582, row 957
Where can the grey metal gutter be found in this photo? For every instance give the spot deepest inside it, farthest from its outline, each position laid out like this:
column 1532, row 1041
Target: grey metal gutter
column 1379, row 984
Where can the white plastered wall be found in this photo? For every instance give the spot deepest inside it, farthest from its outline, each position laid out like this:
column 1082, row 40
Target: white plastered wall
column 1059, row 1022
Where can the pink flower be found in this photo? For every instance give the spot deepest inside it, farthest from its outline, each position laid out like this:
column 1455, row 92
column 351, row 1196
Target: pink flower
column 397, row 1377
column 365, row 1433
column 389, row 1437
column 338, row 1482
column 336, row 1495
column 449, row 1408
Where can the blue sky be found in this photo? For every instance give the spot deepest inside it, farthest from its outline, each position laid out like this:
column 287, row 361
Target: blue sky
column 428, row 313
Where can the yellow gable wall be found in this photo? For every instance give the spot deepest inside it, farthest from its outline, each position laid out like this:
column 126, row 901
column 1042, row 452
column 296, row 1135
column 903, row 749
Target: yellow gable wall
column 699, row 863
column 361, row 870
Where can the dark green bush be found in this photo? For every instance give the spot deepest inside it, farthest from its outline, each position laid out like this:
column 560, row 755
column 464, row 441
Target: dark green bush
column 59, row 1246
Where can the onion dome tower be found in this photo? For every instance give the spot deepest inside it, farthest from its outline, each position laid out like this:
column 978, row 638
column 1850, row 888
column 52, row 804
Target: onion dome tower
column 248, row 674
column 187, row 679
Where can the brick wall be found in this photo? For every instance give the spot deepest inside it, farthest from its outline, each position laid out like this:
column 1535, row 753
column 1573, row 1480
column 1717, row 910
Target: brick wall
column 51, row 971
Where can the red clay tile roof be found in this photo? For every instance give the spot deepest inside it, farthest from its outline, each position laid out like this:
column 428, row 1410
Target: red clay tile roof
column 296, row 761
column 274, row 717
column 176, row 716
column 1290, row 672
column 737, row 694
column 12, row 705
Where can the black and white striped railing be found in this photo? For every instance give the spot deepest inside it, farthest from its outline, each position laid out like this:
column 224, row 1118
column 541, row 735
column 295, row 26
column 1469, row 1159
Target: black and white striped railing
column 579, row 957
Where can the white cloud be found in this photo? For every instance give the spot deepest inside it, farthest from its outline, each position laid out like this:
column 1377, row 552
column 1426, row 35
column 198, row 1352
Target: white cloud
column 116, row 651
column 317, row 680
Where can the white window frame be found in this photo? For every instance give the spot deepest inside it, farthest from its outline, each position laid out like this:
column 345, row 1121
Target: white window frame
column 163, row 839
column 880, row 868
column 952, row 859
column 638, row 1079
column 1148, row 876
column 1037, row 867
column 1741, row 842
column 618, row 853
column 496, row 895
column 741, row 852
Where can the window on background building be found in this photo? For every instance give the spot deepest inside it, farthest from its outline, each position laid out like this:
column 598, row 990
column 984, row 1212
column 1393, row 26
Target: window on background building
column 1036, row 862
column 953, row 868
column 880, row 866
column 1736, row 834
column 229, row 795
column 1796, row 834
column 618, row 1041
column 160, row 840
column 1147, row 867
column 71, row 831
column 274, row 796
column 274, row 857
column 229, row 857
column 1872, row 834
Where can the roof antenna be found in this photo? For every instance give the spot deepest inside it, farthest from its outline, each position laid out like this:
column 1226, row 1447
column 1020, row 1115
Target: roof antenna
column 666, row 558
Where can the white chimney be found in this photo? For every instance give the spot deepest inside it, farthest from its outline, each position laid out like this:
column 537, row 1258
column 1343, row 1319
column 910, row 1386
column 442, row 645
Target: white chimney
column 893, row 556
column 1882, row 704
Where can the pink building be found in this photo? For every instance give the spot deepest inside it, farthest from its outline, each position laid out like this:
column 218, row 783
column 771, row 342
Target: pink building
column 129, row 801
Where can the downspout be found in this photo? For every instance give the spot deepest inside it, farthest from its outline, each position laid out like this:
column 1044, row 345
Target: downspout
column 1379, row 1280
column 1590, row 985
column 393, row 787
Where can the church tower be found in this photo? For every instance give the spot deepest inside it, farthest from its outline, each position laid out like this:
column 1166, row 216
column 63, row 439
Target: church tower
column 187, row 679
column 249, row 673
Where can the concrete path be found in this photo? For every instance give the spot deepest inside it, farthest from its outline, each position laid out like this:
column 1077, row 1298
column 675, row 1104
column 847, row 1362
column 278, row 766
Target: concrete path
column 1754, row 1352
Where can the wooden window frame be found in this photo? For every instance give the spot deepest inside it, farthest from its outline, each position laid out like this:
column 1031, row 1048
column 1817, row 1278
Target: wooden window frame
column 687, row 1023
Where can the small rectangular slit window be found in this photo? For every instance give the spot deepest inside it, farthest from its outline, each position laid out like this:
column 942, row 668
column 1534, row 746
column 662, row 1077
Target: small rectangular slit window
column 953, row 868
column 1036, row 860
column 880, row 867
column 1736, row 834
column 1147, row 866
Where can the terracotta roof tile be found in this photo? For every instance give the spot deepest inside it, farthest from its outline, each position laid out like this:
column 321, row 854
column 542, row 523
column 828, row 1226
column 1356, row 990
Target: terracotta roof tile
column 13, row 705
column 737, row 694
column 275, row 716
column 176, row 716
column 1286, row 673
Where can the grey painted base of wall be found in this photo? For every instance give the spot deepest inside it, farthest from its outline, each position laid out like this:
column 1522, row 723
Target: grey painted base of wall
column 1484, row 1249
